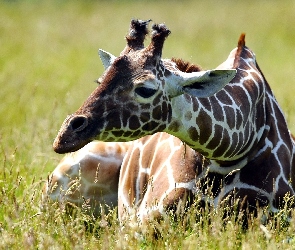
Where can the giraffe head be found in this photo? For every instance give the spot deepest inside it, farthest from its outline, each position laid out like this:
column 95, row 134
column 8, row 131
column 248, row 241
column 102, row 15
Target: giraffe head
column 134, row 95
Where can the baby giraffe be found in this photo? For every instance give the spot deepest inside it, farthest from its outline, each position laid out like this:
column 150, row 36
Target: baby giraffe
column 145, row 177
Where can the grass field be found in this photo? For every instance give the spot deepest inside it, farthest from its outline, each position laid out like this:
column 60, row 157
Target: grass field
column 48, row 61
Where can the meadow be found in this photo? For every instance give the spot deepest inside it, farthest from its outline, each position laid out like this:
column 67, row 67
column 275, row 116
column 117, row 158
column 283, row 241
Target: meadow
column 48, row 64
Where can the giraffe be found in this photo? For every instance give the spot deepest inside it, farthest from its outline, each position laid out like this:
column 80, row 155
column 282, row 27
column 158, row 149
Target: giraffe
column 87, row 178
column 149, row 184
column 228, row 114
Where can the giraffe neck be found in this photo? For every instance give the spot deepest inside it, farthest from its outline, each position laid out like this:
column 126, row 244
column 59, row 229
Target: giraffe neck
column 232, row 125
column 215, row 139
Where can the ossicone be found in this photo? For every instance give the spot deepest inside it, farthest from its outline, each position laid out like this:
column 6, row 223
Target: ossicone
column 159, row 34
column 137, row 33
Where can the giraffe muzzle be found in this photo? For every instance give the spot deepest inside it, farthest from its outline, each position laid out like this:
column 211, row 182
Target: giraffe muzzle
column 70, row 138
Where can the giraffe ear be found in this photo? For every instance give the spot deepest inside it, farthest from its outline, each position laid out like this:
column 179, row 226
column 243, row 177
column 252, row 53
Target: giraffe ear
column 204, row 83
column 106, row 58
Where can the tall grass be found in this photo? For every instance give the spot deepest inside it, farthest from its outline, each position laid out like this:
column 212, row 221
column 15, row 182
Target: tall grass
column 48, row 61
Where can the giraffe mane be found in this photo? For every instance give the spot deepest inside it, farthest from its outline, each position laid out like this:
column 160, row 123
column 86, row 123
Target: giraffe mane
column 186, row 66
column 241, row 42
column 241, row 46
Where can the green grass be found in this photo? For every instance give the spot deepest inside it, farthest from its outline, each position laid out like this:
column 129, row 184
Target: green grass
column 48, row 61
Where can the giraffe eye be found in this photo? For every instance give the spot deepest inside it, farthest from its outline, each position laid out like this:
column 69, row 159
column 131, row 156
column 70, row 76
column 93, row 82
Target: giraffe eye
column 145, row 92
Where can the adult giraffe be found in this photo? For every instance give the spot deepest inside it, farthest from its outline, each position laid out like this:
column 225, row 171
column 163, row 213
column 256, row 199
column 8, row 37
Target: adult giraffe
column 149, row 184
column 240, row 129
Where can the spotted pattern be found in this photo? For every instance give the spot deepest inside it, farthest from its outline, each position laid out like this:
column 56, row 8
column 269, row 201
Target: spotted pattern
column 157, row 173
column 241, row 129
column 147, row 186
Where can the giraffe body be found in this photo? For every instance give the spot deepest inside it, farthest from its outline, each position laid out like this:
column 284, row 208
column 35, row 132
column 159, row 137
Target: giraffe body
column 238, row 127
column 157, row 173
column 147, row 186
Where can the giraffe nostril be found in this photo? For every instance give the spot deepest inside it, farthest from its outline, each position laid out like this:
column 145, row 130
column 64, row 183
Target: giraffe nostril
column 78, row 123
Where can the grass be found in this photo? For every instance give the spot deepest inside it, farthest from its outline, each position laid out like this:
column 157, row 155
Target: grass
column 48, row 61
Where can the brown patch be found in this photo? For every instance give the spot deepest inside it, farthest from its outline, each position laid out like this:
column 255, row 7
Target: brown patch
column 185, row 66
column 204, row 122
column 135, row 134
column 128, row 134
column 143, row 183
column 217, row 110
column 131, row 107
column 193, row 134
column 144, row 117
column 157, row 113
column 126, row 114
column 206, row 103
column 161, row 127
column 65, row 168
column 230, row 116
column 117, row 134
column 157, row 100
column 188, row 116
column 232, row 146
column 195, row 103
column 183, row 164
column 283, row 155
column 150, row 126
column 134, row 122
column 174, row 126
column 224, row 145
column 114, row 120
column 224, row 97
column 215, row 142
column 177, row 195
column 167, row 73
column 239, row 118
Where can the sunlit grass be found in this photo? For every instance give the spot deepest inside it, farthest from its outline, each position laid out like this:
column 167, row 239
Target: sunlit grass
column 48, row 61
